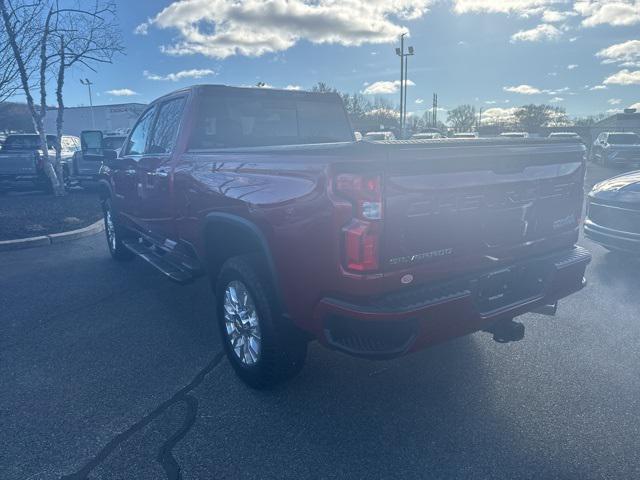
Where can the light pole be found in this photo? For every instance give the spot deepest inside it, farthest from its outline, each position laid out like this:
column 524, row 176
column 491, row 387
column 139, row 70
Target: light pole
column 88, row 83
column 403, row 81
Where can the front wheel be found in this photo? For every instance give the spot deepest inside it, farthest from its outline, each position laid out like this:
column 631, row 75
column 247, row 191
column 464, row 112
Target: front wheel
column 115, row 234
column 261, row 346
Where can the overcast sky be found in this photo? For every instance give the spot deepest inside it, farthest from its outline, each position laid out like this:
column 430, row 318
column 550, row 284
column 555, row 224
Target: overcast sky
column 583, row 55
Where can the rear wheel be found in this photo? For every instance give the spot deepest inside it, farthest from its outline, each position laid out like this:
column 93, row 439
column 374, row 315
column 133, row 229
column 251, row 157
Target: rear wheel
column 261, row 346
column 115, row 234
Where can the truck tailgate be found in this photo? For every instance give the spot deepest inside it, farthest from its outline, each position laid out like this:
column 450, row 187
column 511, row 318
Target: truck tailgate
column 17, row 163
column 465, row 205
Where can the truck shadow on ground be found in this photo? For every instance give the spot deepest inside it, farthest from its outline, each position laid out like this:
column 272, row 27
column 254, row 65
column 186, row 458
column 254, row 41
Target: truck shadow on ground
column 434, row 414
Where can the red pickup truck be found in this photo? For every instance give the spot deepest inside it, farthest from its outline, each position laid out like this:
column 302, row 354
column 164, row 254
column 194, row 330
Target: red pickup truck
column 375, row 249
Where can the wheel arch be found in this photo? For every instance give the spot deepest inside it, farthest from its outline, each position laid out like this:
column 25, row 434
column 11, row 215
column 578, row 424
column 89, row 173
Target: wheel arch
column 228, row 235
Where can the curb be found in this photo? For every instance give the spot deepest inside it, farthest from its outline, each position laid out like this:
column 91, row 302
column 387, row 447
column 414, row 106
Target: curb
column 20, row 243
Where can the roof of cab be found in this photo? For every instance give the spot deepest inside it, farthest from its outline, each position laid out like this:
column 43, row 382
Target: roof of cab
column 250, row 90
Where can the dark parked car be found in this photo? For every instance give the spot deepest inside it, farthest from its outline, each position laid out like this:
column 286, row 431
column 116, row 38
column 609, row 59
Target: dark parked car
column 613, row 213
column 611, row 148
column 374, row 249
column 21, row 159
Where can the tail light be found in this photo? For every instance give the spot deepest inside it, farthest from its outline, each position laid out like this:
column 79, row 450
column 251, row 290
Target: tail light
column 362, row 234
column 39, row 159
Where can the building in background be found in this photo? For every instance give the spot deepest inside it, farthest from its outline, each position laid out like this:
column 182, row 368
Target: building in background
column 108, row 118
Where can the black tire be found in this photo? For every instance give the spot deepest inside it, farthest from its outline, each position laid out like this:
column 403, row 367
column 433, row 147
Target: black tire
column 282, row 347
column 115, row 234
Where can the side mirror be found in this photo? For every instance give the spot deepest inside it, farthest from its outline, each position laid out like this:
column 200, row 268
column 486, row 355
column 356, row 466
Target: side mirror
column 111, row 160
column 91, row 142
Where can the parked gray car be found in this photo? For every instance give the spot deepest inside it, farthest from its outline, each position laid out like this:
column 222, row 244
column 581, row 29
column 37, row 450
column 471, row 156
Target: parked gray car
column 22, row 160
column 87, row 161
column 616, row 148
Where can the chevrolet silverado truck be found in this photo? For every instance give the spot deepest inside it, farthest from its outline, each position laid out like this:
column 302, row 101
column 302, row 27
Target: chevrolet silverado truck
column 22, row 161
column 616, row 148
column 373, row 249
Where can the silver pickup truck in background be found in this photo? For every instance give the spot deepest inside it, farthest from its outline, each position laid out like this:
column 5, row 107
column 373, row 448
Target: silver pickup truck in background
column 87, row 161
column 22, row 159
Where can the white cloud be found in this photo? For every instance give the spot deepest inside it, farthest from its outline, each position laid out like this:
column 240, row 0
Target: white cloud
column 293, row 87
column 573, row 39
column 599, row 87
column 573, row 66
column 614, row 101
column 556, row 100
column 554, row 16
column 611, row 111
column 556, row 91
column 490, row 102
column 384, row 87
column 221, row 28
column 541, row 32
column 610, row 12
column 122, row 92
column 419, row 100
column 636, row 106
column 624, row 77
column 518, row 7
column 177, row 76
column 142, row 29
column 523, row 89
column 626, row 54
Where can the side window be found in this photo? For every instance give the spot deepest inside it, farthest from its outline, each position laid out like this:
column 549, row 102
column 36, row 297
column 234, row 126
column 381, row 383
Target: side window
column 165, row 132
column 140, row 135
column 67, row 144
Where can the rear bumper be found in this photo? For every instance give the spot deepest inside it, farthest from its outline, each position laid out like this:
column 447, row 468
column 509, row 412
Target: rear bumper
column 611, row 238
column 412, row 319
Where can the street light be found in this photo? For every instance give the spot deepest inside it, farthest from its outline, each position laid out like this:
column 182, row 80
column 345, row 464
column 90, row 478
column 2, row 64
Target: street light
column 88, row 83
column 403, row 81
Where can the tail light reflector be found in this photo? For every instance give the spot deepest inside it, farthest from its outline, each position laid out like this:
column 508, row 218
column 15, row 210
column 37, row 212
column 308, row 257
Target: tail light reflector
column 362, row 234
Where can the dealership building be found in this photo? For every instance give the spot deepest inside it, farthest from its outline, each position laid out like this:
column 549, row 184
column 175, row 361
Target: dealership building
column 108, row 118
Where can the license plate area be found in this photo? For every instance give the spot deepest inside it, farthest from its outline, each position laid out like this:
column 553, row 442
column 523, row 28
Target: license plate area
column 511, row 286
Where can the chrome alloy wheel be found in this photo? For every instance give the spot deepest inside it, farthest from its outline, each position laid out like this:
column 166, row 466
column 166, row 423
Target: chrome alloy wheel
column 241, row 322
column 111, row 229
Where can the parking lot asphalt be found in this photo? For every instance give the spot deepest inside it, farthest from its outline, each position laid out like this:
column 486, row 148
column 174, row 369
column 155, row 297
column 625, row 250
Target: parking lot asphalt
column 109, row 371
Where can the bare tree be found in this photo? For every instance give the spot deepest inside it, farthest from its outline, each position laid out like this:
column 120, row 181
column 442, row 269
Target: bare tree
column 28, row 38
column 9, row 75
column 531, row 118
column 45, row 36
column 84, row 36
column 462, row 118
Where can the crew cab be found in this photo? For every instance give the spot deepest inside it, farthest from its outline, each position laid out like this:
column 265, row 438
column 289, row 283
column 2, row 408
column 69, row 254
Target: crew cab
column 21, row 159
column 374, row 249
column 616, row 148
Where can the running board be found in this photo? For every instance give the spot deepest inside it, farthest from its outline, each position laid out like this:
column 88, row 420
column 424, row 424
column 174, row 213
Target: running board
column 178, row 273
